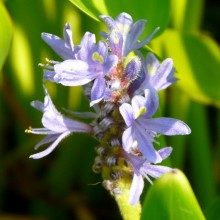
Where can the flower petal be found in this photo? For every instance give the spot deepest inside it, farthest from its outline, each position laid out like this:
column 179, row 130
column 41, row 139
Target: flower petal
column 67, row 33
column 133, row 35
column 87, row 44
column 145, row 106
column 109, row 21
column 98, row 91
column 73, row 73
column 146, row 40
column 165, row 152
column 64, row 48
column 152, row 101
column 51, row 147
column 164, row 76
column 38, row 105
column 155, row 170
column 123, row 22
column 116, row 43
column 128, row 139
column 145, row 145
column 136, row 189
column 127, row 113
column 167, row 126
column 46, row 140
column 49, row 75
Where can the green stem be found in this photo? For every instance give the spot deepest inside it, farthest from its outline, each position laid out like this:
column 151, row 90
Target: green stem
column 128, row 212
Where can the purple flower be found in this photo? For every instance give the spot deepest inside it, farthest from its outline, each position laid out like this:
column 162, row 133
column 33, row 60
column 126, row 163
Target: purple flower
column 142, row 129
column 56, row 126
column 64, row 48
column 123, row 33
column 143, row 169
column 93, row 63
column 159, row 76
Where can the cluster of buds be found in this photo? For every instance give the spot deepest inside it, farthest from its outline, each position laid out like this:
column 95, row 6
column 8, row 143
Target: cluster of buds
column 122, row 86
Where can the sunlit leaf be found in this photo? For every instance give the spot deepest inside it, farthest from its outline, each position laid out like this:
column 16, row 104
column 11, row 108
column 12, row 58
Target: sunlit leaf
column 186, row 14
column 5, row 33
column 170, row 198
column 138, row 9
column 197, row 60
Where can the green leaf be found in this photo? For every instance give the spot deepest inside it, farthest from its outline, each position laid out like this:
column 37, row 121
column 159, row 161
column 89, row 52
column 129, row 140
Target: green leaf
column 212, row 211
column 187, row 15
column 5, row 34
column 197, row 60
column 200, row 155
column 138, row 9
column 170, row 198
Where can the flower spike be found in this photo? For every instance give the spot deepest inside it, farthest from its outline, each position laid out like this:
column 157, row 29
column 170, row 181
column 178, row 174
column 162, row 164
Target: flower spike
column 122, row 87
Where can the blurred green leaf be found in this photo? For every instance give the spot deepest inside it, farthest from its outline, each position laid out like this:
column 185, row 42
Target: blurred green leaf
column 197, row 60
column 178, row 100
column 138, row 9
column 199, row 152
column 212, row 211
column 5, row 33
column 187, row 14
column 171, row 198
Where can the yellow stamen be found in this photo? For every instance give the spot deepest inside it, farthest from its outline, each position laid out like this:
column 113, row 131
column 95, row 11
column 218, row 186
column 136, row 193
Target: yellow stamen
column 142, row 110
column 97, row 57
column 28, row 130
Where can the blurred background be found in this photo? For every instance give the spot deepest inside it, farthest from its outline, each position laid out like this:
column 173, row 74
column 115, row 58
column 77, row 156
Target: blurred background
column 63, row 185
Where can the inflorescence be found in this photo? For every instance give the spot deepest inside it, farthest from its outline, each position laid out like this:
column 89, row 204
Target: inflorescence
column 122, row 86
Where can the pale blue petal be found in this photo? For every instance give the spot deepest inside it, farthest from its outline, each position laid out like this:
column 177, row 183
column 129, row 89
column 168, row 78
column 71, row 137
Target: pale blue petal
column 67, row 33
column 138, row 102
column 51, row 147
column 128, row 138
column 164, row 75
column 46, row 140
column 150, row 68
column 145, row 145
column 167, row 126
column 155, row 170
column 98, row 91
column 165, row 152
column 152, row 64
column 133, row 35
column 87, row 44
column 38, row 105
column 73, row 73
column 58, row 45
column 56, row 122
column 123, row 22
column 102, row 49
column 116, row 43
column 152, row 102
column 149, row 104
column 146, row 40
column 127, row 113
column 136, row 189
column 110, row 63
column 70, row 66
column 49, row 75
column 109, row 21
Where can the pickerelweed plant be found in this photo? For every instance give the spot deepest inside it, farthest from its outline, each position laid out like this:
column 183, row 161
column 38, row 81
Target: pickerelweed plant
column 122, row 86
